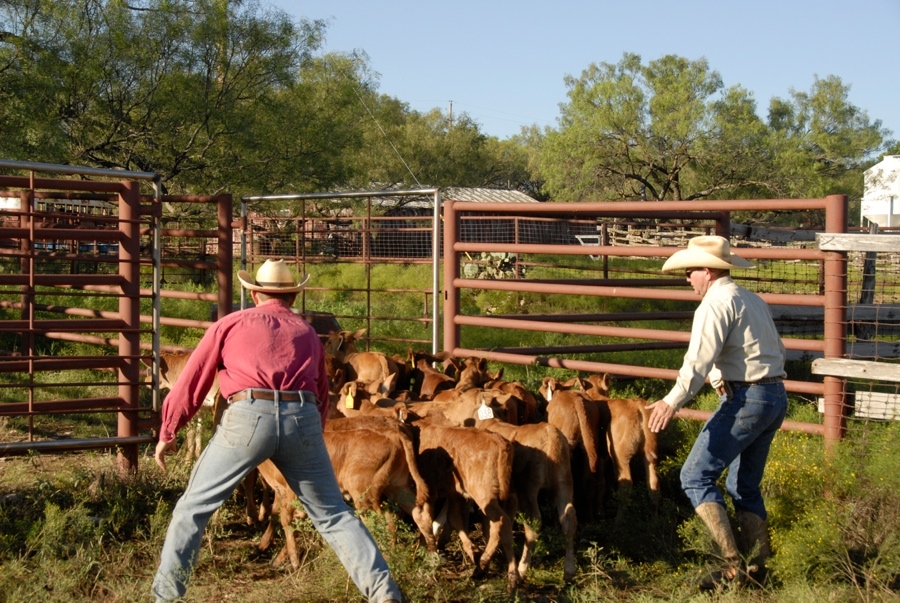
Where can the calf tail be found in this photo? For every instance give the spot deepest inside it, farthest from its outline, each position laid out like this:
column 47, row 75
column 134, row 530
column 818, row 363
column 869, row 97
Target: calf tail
column 422, row 493
column 504, row 467
column 588, row 433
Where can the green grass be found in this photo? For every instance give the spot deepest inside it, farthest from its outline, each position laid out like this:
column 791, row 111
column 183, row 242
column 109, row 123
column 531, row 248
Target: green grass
column 72, row 530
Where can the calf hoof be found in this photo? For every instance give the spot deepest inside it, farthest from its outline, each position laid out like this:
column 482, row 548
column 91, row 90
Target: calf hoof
column 512, row 581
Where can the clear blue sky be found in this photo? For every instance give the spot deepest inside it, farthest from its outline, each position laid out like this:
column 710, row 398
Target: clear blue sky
column 504, row 62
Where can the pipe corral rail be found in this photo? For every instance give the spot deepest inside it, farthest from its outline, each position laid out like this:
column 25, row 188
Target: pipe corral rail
column 833, row 297
column 43, row 244
column 126, row 284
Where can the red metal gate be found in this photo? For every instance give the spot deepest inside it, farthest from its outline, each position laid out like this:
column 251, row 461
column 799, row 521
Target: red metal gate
column 672, row 216
column 95, row 240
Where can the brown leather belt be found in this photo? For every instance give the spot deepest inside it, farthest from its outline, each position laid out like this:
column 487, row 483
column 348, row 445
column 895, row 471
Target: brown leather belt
column 722, row 389
column 254, row 393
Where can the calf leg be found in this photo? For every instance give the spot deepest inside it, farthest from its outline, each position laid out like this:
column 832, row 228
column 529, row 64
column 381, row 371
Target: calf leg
column 500, row 535
column 532, row 517
column 569, row 524
column 652, row 479
column 624, row 484
column 284, row 496
column 458, row 519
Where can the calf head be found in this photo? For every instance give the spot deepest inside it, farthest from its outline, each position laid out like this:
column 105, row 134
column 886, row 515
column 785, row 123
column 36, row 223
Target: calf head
column 341, row 343
column 597, row 386
column 170, row 366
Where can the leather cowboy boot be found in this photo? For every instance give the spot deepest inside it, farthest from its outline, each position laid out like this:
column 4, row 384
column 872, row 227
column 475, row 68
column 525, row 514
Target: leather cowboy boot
column 715, row 516
column 753, row 537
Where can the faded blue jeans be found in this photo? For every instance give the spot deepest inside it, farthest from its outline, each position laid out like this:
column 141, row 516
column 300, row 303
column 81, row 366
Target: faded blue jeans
column 289, row 433
column 737, row 436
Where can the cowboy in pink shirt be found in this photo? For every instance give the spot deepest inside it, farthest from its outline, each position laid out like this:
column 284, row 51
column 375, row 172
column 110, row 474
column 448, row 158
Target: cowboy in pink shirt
column 271, row 369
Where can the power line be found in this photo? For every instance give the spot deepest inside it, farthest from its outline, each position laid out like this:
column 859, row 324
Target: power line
column 380, row 129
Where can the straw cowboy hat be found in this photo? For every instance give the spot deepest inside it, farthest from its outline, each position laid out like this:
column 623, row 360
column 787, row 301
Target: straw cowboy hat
column 706, row 252
column 272, row 277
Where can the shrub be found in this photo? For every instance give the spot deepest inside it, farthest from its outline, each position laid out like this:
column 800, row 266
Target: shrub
column 848, row 530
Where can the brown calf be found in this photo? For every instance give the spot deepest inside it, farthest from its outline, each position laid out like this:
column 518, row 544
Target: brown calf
column 581, row 422
column 542, row 463
column 374, row 465
column 460, row 463
column 358, row 398
column 368, row 367
column 467, row 407
column 426, row 379
column 628, row 436
column 374, row 460
column 528, row 405
column 171, row 364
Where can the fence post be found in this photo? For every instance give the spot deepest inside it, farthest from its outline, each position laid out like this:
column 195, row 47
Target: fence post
column 451, row 273
column 225, row 255
column 835, row 326
column 130, row 313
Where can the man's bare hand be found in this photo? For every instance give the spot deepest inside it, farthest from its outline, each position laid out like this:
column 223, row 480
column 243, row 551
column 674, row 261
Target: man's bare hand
column 661, row 416
column 162, row 449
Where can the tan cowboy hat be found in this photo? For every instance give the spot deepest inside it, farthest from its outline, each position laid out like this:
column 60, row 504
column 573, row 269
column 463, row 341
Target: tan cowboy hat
column 706, row 252
column 272, row 277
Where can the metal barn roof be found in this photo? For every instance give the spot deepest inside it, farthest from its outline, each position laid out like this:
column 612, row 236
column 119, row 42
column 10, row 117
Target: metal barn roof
column 492, row 195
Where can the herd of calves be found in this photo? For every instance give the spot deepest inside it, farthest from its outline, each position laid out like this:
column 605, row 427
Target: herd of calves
column 437, row 442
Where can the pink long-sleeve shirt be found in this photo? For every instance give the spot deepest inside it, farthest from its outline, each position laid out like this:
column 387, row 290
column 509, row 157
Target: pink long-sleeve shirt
column 266, row 347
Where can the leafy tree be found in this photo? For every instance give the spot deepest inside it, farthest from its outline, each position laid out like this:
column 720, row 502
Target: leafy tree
column 671, row 130
column 404, row 148
column 28, row 75
column 305, row 136
column 655, row 131
column 169, row 86
column 822, row 143
column 220, row 95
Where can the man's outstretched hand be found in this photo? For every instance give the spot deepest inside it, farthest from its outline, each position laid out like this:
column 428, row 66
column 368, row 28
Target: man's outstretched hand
column 162, row 449
column 661, row 416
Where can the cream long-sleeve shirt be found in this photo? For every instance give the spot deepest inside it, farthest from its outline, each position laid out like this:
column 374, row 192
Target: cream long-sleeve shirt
column 733, row 338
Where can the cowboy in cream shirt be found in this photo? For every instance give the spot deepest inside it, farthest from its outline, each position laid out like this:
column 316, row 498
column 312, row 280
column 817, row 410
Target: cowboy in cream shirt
column 733, row 342
column 733, row 338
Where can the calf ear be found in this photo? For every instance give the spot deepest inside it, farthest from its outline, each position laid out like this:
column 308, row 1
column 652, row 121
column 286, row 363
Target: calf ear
column 604, row 383
column 337, row 380
column 452, row 367
column 387, row 386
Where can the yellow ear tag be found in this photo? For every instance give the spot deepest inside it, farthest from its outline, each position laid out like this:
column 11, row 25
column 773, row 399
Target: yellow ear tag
column 349, row 401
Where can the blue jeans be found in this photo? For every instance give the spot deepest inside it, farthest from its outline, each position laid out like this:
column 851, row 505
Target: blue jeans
column 289, row 433
column 737, row 436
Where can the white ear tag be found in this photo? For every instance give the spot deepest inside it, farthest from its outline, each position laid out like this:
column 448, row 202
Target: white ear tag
column 485, row 412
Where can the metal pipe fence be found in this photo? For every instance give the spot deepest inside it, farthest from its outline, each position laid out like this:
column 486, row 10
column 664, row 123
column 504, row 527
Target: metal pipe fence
column 790, row 276
column 100, row 246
